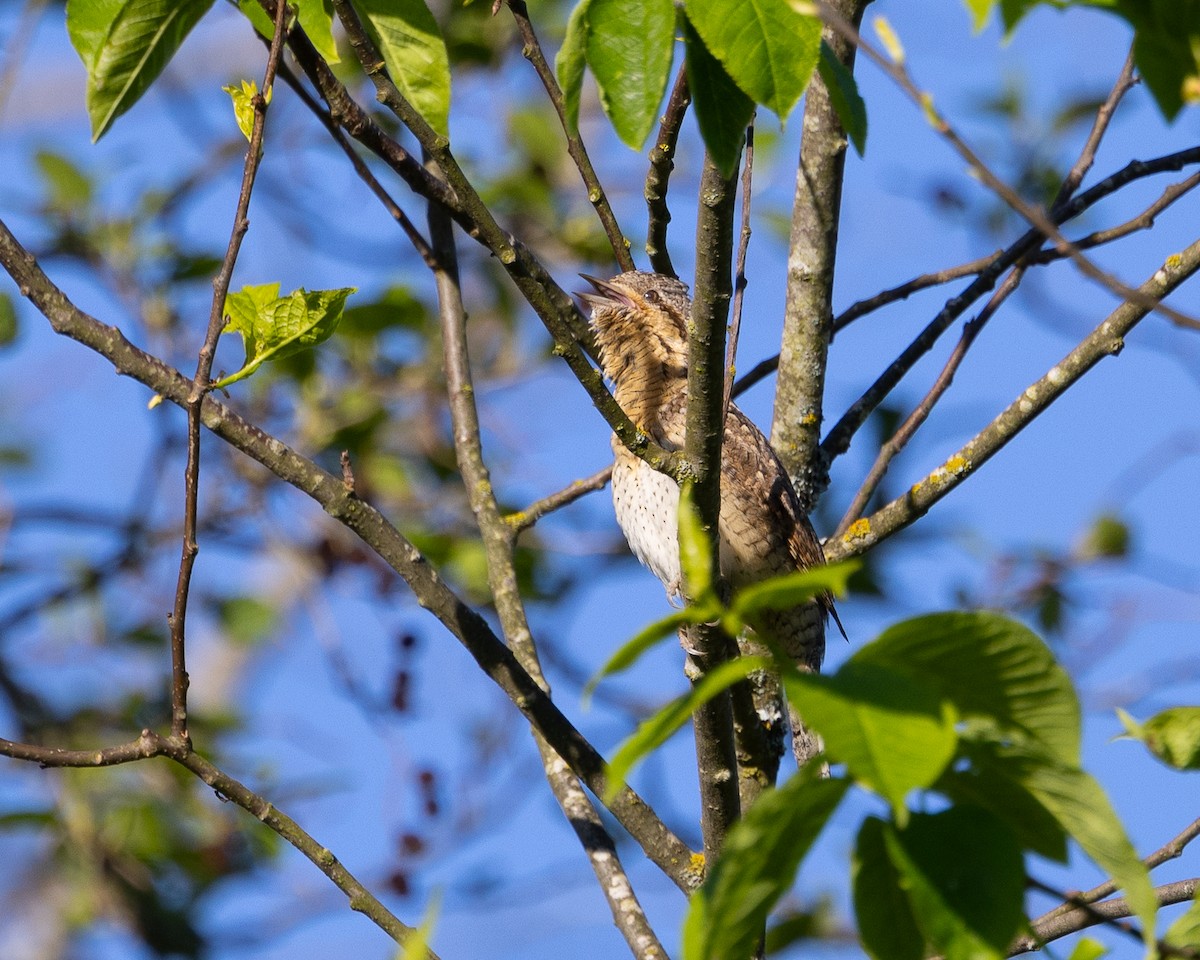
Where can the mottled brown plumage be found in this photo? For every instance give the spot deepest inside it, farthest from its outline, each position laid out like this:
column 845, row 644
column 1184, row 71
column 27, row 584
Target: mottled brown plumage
column 640, row 322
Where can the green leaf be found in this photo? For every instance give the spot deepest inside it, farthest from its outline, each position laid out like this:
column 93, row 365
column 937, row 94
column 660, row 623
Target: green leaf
column 630, row 652
column 1108, row 538
column 411, row 43
column 758, row 865
column 570, row 61
column 125, row 44
column 657, row 729
column 1172, row 735
column 316, row 17
column 992, row 669
column 1079, row 804
column 1088, row 949
column 893, row 733
column 980, row 11
column 695, row 549
column 69, row 188
column 792, row 589
column 965, row 879
column 629, row 48
column 722, row 111
column 273, row 327
column 986, row 783
column 8, row 320
column 844, row 97
column 258, row 16
column 247, row 620
column 243, row 105
column 767, row 47
column 886, row 924
column 416, row 947
column 1185, row 931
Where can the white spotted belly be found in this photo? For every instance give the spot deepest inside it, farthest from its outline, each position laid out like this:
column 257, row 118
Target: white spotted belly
column 647, row 507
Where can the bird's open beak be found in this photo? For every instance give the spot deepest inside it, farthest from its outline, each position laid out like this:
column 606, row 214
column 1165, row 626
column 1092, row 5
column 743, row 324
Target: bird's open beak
column 605, row 295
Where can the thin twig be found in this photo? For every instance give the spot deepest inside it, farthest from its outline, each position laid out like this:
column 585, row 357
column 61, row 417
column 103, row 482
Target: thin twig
column 531, row 49
column 524, row 519
column 502, row 578
column 1041, row 221
column 200, row 387
column 739, row 274
column 1106, row 340
column 837, row 441
column 897, row 442
column 1087, row 156
column 150, row 744
column 662, row 162
column 463, row 622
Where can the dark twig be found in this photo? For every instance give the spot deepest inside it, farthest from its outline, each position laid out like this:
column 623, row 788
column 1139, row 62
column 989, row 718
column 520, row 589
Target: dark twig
column 1043, row 222
column 178, row 749
column 531, row 49
column 837, row 441
column 502, row 579
column 524, row 519
column 200, row 387
column 897, row 442
column 662, row 162
column 739, row 274
column 462, row 622
column 1106, row 340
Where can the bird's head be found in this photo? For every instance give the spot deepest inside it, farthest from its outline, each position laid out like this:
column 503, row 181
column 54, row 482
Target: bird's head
column 640, row 322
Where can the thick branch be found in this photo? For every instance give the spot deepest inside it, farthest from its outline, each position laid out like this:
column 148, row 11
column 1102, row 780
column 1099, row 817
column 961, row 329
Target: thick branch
column 812, row 251
column 662, row 847
column 1106, row 340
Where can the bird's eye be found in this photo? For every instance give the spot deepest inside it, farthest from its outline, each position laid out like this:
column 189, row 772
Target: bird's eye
column 653, row 296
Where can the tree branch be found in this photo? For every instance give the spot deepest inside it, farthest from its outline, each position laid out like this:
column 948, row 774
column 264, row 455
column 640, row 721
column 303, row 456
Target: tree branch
column 1106, row 340
column 662, row 162
column 464, row 623
column 531, row 50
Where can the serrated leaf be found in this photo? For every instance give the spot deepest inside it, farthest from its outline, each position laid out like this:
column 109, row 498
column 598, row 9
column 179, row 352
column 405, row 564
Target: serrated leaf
column 722, row 110
column 125, row 45
column 570, row 61
column 415, row 53
column 274, row 327
column 964, row 876
column 767, row 47
column 844, row 97
column 1173, row 735
column 986, row 782
column 792, row 589
column 991, row 668
column 629, row 47
column 758, row 865
column 657, row 729
column 893, row 733
column 886, row 923
column 649, row 637
column 1079, row 804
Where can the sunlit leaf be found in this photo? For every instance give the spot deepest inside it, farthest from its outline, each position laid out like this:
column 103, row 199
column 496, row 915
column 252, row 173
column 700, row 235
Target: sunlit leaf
column 415, row 54
column 656, row 730
column 989, row 667
column 758, row 865
column 243, row 105
column 893, row 733
column 1173, row 735
column 273, row 327
column 571, row 60
column 125, row 45
column 1185, row 931
column 792, row 589
column 695, row 548
column 767, row 47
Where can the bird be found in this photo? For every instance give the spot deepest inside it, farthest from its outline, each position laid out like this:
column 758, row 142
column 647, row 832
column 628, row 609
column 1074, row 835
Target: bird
column 640, row 321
